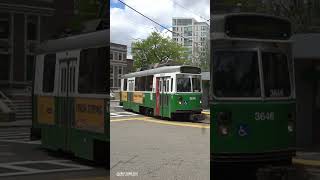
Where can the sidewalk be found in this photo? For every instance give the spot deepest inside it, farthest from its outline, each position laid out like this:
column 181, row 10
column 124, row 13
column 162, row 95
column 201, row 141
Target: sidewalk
column 22, row 123
column 308, row 157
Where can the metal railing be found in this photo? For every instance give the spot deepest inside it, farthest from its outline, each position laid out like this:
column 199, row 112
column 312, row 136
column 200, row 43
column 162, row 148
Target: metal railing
column 4, row 102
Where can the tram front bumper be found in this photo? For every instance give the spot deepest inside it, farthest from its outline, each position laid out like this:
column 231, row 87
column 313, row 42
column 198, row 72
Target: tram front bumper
column 197, row 117
column 254, row 158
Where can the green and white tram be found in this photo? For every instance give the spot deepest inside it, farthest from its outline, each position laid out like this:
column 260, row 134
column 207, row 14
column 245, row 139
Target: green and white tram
column 71, row 95
column 252, row 99
column 166, row 91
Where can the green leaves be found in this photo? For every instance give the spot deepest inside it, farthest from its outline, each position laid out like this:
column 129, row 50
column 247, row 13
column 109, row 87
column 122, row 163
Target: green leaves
column 157, row 49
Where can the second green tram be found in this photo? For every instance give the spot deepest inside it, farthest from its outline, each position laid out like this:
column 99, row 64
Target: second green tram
column 166, row 92
column 71, row 96
column 252, row 99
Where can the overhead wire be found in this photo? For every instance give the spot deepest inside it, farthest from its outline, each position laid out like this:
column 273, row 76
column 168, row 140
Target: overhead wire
column 191, row 11
column 152, row 20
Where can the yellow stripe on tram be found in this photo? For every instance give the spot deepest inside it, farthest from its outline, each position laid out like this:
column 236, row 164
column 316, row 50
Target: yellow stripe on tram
column 128, row 119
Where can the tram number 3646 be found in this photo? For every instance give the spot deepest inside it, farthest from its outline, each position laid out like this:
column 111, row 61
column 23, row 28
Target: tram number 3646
column 262, row 116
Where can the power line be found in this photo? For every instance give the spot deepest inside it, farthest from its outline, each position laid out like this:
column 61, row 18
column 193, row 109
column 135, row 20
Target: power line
column 197, row 14
column 151, row 19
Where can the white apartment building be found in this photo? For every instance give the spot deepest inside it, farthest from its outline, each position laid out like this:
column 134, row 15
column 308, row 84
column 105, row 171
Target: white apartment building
column 191, row 34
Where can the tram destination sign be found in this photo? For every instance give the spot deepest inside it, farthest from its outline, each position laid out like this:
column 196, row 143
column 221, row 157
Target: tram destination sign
column 189, row 69
column 258, row 27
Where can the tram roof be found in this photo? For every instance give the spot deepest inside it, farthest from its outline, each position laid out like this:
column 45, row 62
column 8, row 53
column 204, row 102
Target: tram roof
column 87, row 40
column 164, row 69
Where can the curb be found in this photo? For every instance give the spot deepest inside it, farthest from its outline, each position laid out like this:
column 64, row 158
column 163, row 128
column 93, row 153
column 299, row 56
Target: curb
column 206, row 113
column 306, row 162
column 14, row 126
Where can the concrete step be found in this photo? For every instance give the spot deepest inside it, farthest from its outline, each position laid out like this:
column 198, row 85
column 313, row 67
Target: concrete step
column 23, row 107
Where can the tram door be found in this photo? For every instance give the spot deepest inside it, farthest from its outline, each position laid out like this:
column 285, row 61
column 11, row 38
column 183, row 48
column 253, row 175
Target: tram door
column 164, row 97
column 157, row 110
column 67, row 86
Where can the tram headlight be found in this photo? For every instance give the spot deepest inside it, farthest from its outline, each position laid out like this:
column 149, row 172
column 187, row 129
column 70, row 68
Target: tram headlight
column 290, row 127
column 224, row 122
column 223, row 130
column 180, row 100
column 291, row 122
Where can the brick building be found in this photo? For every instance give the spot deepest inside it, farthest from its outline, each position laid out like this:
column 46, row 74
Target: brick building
column 118, row 64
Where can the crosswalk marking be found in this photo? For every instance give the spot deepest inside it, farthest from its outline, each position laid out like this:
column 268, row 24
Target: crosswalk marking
column 16, row 135
column 122, row 114
column 18, row 168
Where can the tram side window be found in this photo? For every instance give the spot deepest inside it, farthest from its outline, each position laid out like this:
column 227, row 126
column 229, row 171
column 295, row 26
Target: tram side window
column 171, row 84
column 124, row 85
column 49, row 73
column 131, row 83
column 92, row 71
column 140, row 83
column 149, row 81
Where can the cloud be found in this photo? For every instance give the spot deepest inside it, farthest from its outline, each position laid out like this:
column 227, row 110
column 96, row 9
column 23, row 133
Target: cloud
column 127, row 25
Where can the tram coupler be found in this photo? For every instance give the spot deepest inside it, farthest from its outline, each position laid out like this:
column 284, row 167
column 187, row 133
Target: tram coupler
column 197, row 117
column 282, row 173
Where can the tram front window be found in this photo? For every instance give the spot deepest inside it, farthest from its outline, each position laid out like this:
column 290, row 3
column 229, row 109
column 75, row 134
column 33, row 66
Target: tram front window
column 276, row 74
column 196, row 84
column 183, row 83
column 236, row 74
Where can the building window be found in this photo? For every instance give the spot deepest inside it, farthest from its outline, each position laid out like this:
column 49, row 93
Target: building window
column 174, row 22
column 111, row 55
column 115, row 56
column 32, row 30
column 124, row 56
column 120, row 57
column 49, row 73
column 120, row 70
column 111, row 82
column 116, row 69
column 5, row 67
column 30, row 67
column 4, row 26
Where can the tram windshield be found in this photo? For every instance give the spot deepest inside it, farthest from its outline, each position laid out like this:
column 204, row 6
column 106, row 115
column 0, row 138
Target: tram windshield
column 196, row 83
column 276, row 74
column 188, row 83
column 183, row 83
column 236, row 74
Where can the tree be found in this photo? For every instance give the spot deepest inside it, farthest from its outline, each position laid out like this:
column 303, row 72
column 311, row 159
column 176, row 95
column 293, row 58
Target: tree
column 157, row 49
column 85, row 10
column 202, row 58
column 304, row 15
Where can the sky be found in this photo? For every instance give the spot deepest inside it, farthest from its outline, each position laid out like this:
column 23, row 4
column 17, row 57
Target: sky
column 127, row 26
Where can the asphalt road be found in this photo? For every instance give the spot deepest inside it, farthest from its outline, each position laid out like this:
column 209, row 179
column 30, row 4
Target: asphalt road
column 147, row 148
column 21, row 159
